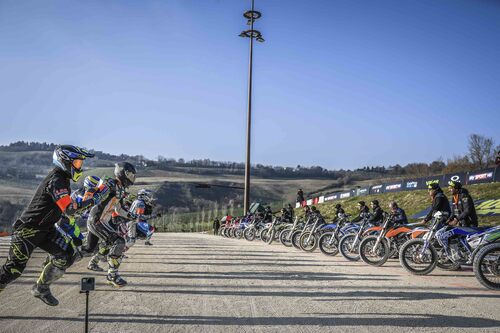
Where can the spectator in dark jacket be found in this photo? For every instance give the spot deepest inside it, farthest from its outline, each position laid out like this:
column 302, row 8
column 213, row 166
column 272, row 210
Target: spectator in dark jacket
column 377, row 213
column 398, row 213
column 440, row 202
column 300, row 196
column 216, row 226
column 464, row 212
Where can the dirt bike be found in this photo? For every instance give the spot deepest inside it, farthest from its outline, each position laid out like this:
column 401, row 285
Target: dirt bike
column 254, row 229
column 300, row 230
column 328, row 242
column 421, row 255
column 447, row 247
column 486, row 264
column 272, row 233
column 286, row 235
column 376, row 250
column 349, row 244
column 308, row 240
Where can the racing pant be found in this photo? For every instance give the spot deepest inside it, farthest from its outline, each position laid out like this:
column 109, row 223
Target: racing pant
column 25, row 239
column 100, row 255
column 106, row 233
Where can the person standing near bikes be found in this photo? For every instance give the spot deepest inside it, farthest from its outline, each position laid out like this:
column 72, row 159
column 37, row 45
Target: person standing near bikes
column 363, row 212
column 464, row 212
column 399, row 215
column 339, row 211
column 377, row 213
column 36, row 227
column 440, row 202
column 291, row 211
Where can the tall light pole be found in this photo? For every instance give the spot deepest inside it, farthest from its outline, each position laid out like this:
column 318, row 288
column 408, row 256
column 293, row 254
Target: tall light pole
column 251, row 16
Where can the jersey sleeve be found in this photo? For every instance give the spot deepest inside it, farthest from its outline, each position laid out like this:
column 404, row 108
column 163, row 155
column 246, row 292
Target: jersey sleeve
column 60, row 192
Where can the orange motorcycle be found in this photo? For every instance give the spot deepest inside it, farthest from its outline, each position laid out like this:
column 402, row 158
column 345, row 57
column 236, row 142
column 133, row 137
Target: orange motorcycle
column 375, row 250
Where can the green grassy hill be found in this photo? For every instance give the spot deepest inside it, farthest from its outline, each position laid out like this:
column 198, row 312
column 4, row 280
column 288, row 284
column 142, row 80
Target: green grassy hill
column 411, row 201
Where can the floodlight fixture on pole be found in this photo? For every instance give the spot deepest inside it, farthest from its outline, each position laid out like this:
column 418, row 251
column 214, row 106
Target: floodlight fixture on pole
column 251, row 16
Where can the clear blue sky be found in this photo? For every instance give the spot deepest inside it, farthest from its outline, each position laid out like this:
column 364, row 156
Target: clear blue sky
column 341, row 84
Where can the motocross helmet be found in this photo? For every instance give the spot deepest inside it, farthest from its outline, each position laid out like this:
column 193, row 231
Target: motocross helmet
column 91, row 182
column 125, row 172
column 70, row 160
column 146, row 196
column 455, row 184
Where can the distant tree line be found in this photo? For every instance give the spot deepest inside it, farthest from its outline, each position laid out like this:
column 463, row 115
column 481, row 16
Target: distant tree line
column 481, row 154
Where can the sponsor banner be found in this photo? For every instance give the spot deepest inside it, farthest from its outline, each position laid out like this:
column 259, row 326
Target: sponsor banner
column 321, row 199
column 483, row 176
column 331, row 196
column 457, row 177
column 433, row 179
column 345, row 195
column 412, row 184
column 364, row 191
column 483, row 208
column 394, row 187
column 376, row 189
column 309, row 202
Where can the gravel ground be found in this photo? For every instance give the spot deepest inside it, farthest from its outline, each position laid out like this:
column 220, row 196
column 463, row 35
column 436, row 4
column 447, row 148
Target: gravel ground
column 204, row 283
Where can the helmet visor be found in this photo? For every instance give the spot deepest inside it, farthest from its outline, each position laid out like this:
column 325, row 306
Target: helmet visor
column 77, row 164
column 130, row 176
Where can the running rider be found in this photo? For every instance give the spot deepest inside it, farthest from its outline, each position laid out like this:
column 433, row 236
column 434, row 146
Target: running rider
column 100, row 222
column 141, row 210
column 36, row 226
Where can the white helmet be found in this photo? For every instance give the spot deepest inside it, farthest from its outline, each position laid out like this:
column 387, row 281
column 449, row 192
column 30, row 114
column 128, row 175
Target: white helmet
column 146, row 196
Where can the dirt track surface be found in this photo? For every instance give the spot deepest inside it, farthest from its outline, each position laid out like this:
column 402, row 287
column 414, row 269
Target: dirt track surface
column 203, row 283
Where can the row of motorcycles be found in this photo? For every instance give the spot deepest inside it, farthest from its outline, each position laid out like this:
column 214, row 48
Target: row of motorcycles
column 420, row 249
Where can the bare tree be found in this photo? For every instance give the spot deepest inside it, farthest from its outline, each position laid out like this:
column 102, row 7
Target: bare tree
column 480, row 150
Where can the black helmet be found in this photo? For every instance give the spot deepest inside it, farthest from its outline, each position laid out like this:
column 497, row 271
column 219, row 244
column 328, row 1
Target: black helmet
column 70, row 159
column 361, row 203
column 375, row 202
column 337, row 206
column 125, row 172
column 454, row 184
column 433, row 186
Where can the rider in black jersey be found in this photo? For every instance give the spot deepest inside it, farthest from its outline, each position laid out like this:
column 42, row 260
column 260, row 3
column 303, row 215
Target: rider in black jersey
column 36, row 227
